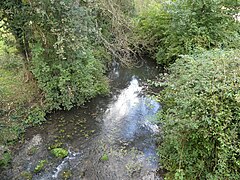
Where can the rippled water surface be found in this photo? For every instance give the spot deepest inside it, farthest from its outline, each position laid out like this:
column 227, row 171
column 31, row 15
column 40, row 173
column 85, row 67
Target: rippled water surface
column 109, row 138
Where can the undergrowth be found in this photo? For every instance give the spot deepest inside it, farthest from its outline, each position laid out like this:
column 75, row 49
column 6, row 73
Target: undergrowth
column 200, row 117
column 17, row 99
column 169, row 29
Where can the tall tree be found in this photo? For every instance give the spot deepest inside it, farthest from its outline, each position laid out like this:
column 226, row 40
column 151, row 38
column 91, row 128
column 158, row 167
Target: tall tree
column 15, row 15
column 57, row 39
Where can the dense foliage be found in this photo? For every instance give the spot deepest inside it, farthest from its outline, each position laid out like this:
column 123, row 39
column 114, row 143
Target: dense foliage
column 63, row 61
column 114, row 19
column 171, row 28
column 54, row 61
column 58, row 40
column 15, row 94
column 63, row 46
column 201, row 117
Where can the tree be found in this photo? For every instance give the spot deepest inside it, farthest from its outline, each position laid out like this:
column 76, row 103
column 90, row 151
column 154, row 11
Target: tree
column 178, row 27
column 15, row 14
column 57, row 39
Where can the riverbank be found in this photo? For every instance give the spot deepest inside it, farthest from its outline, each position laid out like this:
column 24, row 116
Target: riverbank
column 111, row 137
column 17, row 99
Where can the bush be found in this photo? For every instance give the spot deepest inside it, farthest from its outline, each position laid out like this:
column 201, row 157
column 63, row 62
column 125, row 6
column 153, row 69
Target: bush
column 35, row 116
column 172, row 28
column 67, row 67
column 201, row 117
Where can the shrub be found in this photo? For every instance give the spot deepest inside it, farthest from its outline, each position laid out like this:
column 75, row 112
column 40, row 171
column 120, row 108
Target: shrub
column 66, row 67
column 201, row 117
column 36, row 116
column 172, row 28
column 59, row 45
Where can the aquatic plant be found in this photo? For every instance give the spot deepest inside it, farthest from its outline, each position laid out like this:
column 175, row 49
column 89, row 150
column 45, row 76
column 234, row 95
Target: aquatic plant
column 40, row 166
column 32, row 150
column 26, row 175
column 59, row 152
column 57, row 144
column 104, row 157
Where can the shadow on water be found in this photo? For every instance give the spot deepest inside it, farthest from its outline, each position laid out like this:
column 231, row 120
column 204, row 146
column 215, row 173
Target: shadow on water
column 109, row 138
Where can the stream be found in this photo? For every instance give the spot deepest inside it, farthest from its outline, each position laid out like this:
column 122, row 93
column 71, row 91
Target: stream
column 109, row 138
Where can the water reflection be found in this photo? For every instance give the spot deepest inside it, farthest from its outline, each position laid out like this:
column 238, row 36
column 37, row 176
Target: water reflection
column 120, row 126
column 130, row 111
column 126, row 137
column 126, row 101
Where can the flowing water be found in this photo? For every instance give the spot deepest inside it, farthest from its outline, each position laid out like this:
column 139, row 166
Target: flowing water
column 109, row 138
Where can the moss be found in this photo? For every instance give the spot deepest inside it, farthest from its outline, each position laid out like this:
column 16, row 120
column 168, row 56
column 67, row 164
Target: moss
column 40, row 166
column 59, row 152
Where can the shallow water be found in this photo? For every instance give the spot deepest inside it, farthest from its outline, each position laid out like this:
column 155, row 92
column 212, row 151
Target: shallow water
column 109, row 138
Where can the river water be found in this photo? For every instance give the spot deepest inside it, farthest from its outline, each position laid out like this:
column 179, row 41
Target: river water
column 109, row 138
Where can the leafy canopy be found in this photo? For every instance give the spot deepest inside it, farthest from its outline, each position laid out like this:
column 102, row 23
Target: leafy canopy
column 58, row 39
column 171, row 28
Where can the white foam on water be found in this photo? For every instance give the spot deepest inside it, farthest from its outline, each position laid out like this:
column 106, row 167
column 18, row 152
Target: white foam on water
column 61, row 166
